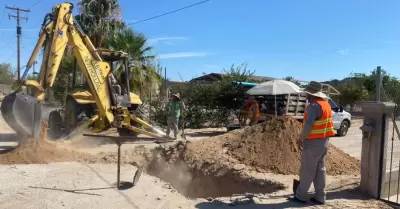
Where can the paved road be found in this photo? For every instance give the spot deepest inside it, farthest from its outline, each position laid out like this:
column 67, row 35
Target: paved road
column 351, row 143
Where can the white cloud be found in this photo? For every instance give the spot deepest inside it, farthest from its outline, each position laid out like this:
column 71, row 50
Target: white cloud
column 166, row 40
column 182, row 55
column 343, row 51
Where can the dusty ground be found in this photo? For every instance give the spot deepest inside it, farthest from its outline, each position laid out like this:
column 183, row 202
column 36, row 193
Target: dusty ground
column 83, row 185
column 76, row 185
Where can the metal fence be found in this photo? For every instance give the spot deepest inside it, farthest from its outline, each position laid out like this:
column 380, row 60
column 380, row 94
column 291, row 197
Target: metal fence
column 389, row 92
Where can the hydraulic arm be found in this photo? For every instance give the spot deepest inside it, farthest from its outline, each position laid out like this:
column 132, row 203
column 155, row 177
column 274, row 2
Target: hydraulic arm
column 59, row 31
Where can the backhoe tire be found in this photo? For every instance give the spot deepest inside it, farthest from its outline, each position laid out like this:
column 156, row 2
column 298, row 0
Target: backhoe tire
column 55, row 125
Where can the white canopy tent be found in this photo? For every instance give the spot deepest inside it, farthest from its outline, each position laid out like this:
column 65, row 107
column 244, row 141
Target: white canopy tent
column 274, row 87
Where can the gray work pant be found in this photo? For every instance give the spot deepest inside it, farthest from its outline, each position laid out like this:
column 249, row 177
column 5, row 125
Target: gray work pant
column 312, row 169
column 172, row 121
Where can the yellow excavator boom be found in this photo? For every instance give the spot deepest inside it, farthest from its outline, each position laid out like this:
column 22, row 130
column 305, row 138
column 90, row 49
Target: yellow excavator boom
column 59, row 31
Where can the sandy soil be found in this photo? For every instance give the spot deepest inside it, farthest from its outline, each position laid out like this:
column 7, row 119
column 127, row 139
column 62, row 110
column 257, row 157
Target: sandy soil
column 86, row 184
column 76, row 185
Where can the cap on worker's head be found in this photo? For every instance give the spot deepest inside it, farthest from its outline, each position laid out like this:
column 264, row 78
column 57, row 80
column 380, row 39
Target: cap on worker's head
column 177, row 95
column 315, row 89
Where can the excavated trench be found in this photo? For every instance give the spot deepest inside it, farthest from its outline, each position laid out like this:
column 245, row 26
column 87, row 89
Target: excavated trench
column 198, row 181
column 196, row 184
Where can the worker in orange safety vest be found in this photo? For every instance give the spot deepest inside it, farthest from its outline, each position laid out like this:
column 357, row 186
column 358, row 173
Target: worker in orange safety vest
column 244, row 112
column 254, row 111
column 317, row 128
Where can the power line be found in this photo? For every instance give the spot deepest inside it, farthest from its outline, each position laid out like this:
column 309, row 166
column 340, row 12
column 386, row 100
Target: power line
column 169, row 12
column 11, row 56
column 12, row 39
column 36, row 3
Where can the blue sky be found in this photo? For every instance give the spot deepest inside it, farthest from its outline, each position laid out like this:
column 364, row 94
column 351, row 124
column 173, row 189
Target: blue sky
column 308, row 39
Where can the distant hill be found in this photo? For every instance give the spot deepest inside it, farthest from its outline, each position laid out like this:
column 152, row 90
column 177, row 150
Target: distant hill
column 336, row 82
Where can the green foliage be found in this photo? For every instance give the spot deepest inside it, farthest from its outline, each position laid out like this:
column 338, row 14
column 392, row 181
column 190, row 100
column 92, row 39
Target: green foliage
column 135, row 44
column 362, row 86
column 351, row 93
column 100, row 19
column 211, row 105
column 145, row 75
column 63, row 78
column 7, row 74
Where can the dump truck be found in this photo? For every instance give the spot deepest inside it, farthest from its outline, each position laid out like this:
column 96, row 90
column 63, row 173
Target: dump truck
column 103, row 101
column 294, row 105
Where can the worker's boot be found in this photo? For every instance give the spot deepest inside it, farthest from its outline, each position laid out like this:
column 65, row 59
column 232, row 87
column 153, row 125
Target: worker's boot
column 295, row 185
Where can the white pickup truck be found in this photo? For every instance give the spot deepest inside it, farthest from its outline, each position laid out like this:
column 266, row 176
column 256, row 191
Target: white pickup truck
column 294, row 105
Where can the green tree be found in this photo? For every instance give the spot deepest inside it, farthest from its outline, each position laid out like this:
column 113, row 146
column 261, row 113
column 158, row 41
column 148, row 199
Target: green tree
column 144, row 72
column 63, row 79
column 214, row 104
column 389, row 84
column 351, row 94
column 100, row 19
column 135, row 44
column 7, row 74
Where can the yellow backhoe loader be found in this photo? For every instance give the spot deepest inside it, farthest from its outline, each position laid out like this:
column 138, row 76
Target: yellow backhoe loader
column 103, row 101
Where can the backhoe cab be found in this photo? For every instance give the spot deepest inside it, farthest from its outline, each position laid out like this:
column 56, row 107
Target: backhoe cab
column 80, row 105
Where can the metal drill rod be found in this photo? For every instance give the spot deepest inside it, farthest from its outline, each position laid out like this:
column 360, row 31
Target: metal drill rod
column 119, row 164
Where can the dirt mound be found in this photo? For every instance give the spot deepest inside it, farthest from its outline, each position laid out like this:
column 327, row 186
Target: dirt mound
column 223, row 165
column 272, row 146
column 268, row 147
column 37, row 151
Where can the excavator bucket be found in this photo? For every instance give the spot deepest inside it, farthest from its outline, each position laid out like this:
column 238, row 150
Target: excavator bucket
column 22, row 113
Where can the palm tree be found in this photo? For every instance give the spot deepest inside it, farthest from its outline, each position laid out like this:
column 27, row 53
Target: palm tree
column 144, row 73
column 100, row 19
column 135, row 44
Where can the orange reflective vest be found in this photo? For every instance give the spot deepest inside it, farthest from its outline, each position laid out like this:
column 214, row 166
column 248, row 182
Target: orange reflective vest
column 257, row 111
column 245, row 108
column 323, row 127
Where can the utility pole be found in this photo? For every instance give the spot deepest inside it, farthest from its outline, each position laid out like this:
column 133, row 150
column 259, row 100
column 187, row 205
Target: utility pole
column 19, row 32
column 165, row 84
column 378, row 82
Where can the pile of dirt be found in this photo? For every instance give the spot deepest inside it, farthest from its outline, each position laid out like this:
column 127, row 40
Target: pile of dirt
column 273, row 146
column 37, row 151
